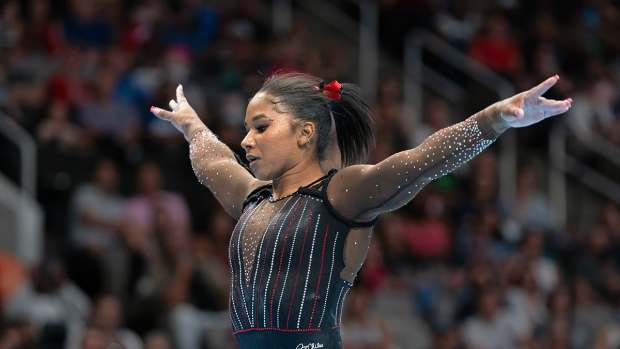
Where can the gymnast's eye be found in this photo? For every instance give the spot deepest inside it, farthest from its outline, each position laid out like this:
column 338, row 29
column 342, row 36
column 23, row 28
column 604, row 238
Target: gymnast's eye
column 261, row 129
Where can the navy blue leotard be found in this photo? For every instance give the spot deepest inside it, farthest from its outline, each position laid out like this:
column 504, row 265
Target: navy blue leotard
column 286, row 257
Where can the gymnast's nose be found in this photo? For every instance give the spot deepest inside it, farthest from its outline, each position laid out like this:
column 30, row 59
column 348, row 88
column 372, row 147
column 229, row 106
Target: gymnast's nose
column 247, row 142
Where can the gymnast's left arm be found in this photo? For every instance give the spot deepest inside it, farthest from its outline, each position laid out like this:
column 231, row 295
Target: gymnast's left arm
column 363, row 192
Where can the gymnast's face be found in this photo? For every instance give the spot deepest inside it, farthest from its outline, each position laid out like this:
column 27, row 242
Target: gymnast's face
column 275, row 142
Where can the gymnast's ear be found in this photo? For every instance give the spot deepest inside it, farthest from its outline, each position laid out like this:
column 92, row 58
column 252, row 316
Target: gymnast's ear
column 306, row 134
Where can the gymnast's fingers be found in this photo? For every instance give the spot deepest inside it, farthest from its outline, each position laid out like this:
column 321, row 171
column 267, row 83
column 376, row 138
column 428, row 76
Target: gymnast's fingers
column 180, row 96
column 543, row 87
column 173, row 105
column 161, row 113
column 553, row 107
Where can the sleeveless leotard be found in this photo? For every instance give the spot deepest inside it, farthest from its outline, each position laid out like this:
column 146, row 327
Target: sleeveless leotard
column 286, row 257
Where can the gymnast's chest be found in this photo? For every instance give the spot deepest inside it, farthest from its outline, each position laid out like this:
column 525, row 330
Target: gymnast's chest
column 274, row 227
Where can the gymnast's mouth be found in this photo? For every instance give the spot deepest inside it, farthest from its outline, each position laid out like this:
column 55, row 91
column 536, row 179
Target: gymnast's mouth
column 251, row 159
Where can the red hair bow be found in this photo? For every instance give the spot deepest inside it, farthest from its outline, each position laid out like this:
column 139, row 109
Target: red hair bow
column 333, row 90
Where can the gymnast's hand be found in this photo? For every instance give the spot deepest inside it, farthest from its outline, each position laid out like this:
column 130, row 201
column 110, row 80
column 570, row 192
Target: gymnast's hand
column 183, row 117
column 529, row 107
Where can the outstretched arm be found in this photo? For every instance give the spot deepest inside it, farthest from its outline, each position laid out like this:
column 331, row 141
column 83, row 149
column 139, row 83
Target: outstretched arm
column 363, row 192
column 214, row 163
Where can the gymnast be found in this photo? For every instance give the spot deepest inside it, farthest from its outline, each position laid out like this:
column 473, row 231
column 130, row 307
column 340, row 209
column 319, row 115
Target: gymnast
column 302, row 231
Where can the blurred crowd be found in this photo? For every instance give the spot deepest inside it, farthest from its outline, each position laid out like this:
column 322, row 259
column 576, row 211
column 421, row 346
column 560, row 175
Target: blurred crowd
column 135, row 249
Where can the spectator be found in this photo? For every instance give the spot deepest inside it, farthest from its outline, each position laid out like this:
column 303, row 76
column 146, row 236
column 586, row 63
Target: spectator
column 374, row 272
column 593, row 112
column 105, row 117
column 86, row 26
column 57, row 128
column 97, row 213
column 496, row 47
column 441, row 294
column 50, row 302
column 105, row 327
column 526, row 298
column 458, row 23
column 590, row 315
column 544, row 270
column 66, row 84
column 13, row 275
column 153, row 208
column 558, row 328
column 429, row 237
column 393, row 304
column 478, row 238
column 437, row 116
column 155, row 226
column 197, row 295
column 492, row 326
column 25, row 98
column 361, row 329
column 157, row 340
column 94, row 339
column 531, row 207
column 17, row 334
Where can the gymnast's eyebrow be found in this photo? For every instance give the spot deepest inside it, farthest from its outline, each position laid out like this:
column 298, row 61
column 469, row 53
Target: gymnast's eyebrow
column 255, row 118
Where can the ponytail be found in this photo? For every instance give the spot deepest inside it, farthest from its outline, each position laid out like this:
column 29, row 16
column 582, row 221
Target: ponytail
column 353, row 119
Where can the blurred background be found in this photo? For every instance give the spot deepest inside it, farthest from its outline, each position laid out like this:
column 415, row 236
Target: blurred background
column 107, row 240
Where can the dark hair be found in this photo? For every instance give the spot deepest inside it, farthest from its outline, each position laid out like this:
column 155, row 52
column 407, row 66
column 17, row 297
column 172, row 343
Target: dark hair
column 301, row 96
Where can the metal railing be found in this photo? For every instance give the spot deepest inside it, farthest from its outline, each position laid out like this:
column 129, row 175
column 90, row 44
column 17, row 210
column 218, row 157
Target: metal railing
column 27, row 151
column 25, row 235
column 418, row 74
column 563, row 164
column 369, row 49
column 364, row 33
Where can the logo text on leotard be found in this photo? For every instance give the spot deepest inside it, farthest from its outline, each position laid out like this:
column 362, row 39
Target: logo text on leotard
column 309, row 346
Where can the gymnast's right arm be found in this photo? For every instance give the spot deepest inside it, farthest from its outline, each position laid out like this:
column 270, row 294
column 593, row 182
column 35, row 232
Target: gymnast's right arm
column 214, row 163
